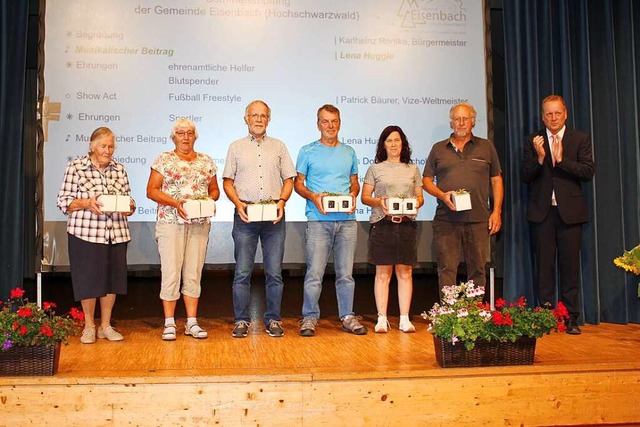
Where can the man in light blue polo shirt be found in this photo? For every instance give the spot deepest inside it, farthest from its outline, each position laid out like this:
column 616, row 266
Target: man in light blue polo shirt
column 327, row 166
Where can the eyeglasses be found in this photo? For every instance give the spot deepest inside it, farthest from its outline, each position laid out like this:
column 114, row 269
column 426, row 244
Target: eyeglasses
column 259, row 116
column 188, row 134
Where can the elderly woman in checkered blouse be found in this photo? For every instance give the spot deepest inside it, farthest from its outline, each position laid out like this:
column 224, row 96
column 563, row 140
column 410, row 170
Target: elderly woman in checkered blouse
column 97, row 240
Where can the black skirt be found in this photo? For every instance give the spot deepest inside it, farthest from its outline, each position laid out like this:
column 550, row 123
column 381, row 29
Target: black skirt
column 393, row 243
column 97, row 269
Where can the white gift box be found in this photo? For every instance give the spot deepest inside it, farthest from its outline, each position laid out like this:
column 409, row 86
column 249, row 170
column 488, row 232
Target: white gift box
column 395, row 205
column 269, row 212
column 199, row 208
column 462, row 201
column 254, row 212
column 410, row 206
column 337, row 203
column 114, row 203
column 262, row 212
column 402, row 206
column 345, row 203
column 331, row 203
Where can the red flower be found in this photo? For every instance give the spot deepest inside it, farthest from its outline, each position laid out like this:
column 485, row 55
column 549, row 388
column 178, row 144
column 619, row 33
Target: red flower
column 561, row 326
column 76, row 314
column 497, row 318
column 15, row 325
column 48, row 305
column 23, row 330
column 521, row 302
column 46, row 330
column 484, row 306
column 500, row 303
column 561, row 311
column 16, row 293
column 25, row 312
column 500, row 319
column 508, row 320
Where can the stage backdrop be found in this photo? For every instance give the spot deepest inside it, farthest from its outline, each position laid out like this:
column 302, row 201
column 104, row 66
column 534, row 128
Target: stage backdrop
column 138, row 66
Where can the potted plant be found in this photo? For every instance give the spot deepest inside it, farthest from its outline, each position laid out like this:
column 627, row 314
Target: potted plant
column 30, row 335
column 474, row 334
column 630, row 261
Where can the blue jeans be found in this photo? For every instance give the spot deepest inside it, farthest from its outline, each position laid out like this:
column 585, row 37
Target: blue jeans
column 245, row 239
column 322, row 239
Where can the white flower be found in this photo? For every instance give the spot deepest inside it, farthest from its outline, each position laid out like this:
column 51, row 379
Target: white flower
column 463, row 312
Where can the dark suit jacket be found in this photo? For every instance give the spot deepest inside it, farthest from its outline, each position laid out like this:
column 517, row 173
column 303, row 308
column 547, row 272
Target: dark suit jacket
column 576, row 166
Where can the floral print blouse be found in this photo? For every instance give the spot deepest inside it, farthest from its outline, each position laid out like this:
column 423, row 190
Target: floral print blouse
column 183, row 179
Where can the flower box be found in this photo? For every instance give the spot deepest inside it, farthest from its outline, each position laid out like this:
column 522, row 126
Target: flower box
column 462, row 201
column 199, row 208
column 470, row 332
column 337, row 203
column 30, row 335
column 30, row 360
column 114, row 203
column 262, row 212
column 485, row 353
column 402, row 206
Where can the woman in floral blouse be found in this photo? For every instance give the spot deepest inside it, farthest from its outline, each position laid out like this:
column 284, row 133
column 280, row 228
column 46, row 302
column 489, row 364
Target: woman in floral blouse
column 97, row 240
column 176, row 176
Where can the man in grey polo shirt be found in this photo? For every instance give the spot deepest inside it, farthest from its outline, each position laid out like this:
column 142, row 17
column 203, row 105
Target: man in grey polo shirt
column 463, row 161
column 258, row 168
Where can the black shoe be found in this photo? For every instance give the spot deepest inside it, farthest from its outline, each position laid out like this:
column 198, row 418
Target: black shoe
column 573, row 328
column 241, row 329
column 274, row 329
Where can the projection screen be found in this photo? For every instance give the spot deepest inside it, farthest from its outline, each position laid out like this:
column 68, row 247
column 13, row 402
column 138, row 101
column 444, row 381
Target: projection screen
column 136, row 66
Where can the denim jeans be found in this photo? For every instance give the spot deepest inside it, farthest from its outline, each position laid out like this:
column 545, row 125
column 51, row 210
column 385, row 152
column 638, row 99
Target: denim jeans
column 245, row 239
column 322, row 239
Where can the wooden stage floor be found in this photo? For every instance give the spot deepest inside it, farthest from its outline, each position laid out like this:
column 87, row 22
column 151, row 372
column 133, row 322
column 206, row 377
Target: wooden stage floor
column 334, row 378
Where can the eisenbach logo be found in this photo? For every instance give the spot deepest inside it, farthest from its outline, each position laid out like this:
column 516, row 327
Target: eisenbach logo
column 418, row 13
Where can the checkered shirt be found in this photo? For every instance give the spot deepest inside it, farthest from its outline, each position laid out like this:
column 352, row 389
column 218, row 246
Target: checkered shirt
column 83, row 180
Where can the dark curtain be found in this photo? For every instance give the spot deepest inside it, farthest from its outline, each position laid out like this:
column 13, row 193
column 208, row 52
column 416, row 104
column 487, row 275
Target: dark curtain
column 588, row 52
column 13, row 52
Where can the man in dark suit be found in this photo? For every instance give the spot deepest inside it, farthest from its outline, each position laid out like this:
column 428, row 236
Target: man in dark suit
column 555, row 161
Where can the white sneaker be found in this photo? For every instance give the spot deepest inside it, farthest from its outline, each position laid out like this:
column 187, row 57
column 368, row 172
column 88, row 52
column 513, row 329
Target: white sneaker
column 406, row 325
column 382, row 325
column 88, row 335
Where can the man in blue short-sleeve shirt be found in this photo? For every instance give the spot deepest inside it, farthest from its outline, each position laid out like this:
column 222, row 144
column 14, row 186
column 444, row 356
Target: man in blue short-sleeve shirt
column 328, row 166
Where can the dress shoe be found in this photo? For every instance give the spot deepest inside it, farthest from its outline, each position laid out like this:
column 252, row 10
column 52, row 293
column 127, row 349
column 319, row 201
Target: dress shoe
column 573, row 328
